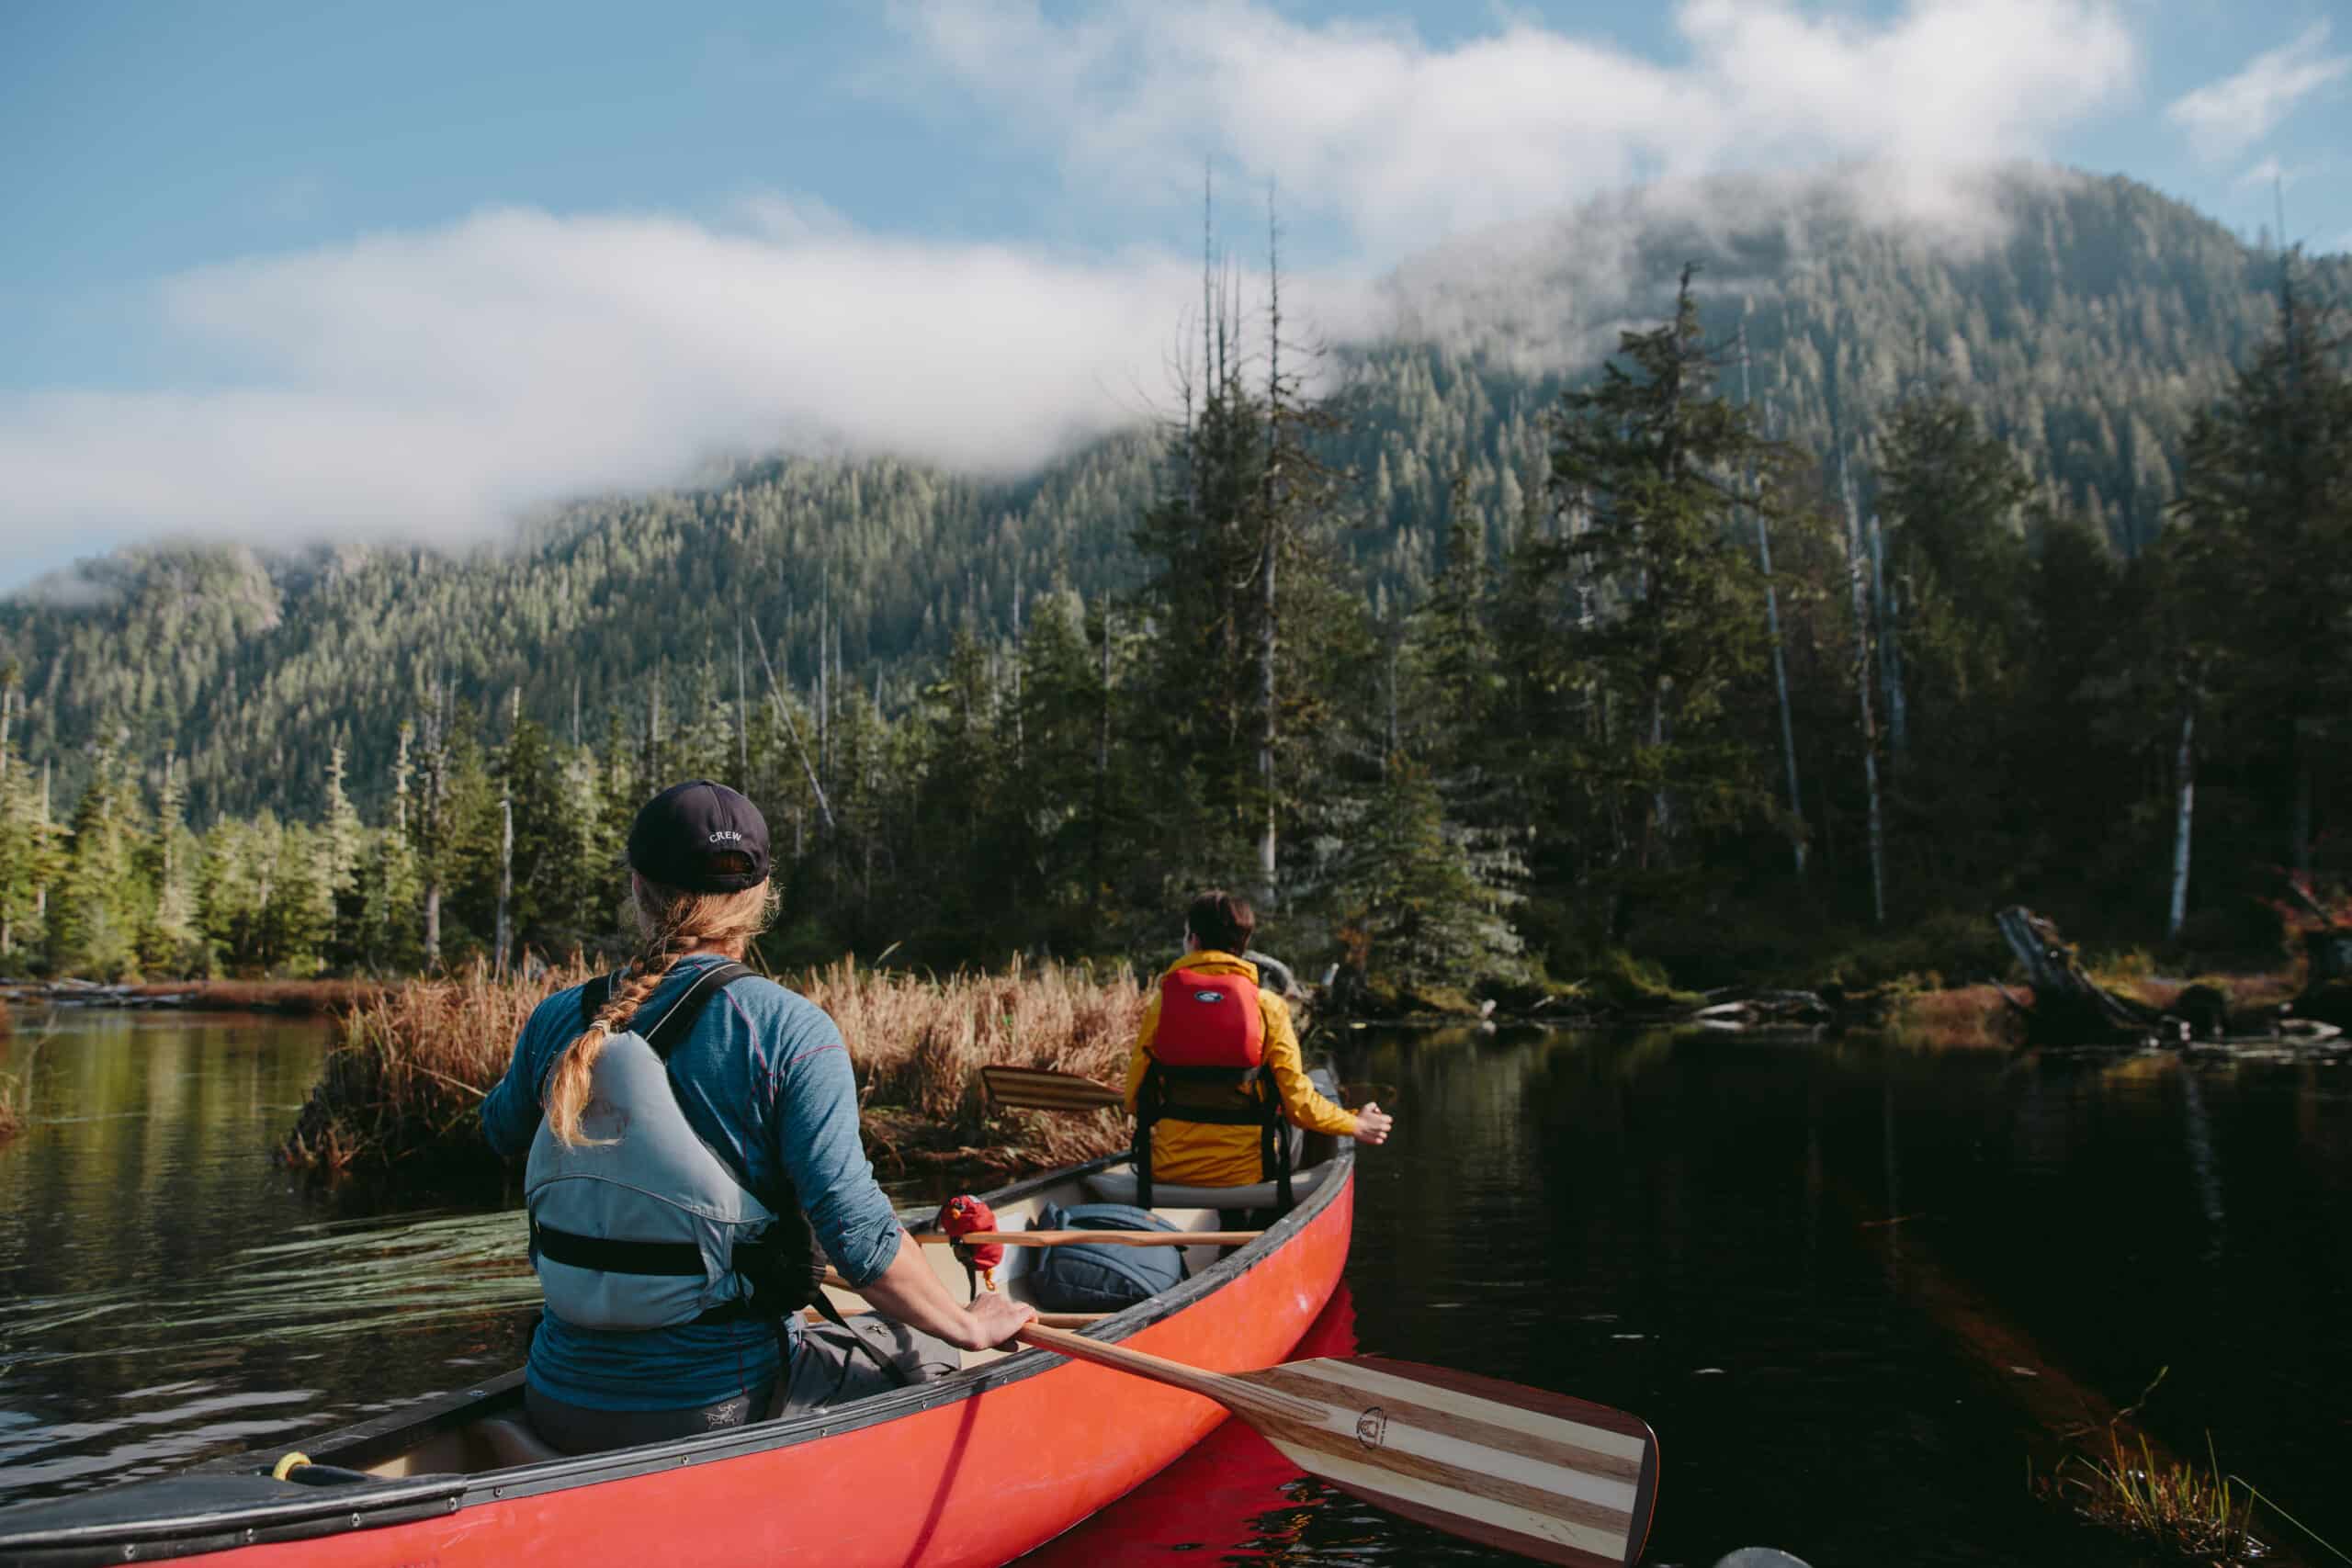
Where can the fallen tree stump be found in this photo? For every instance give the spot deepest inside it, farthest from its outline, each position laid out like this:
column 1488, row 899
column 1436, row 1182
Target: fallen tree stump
column 2069, row 1008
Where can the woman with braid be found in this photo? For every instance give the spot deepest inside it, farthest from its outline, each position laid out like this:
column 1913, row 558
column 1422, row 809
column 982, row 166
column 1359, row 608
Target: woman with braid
column 692, row 1128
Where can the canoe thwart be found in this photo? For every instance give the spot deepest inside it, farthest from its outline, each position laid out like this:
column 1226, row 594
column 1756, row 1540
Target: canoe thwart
column 1108, row 1238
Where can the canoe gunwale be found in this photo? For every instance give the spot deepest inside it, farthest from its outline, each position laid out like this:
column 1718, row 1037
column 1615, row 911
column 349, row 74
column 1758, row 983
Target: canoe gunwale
column 392, row 1501
column 762, row 1437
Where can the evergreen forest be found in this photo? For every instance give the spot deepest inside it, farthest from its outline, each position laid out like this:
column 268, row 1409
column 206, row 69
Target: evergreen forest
column 1856, row 584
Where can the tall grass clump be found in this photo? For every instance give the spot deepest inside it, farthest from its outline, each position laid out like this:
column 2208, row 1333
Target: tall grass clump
column 1965, row 1017
column 408, row 1079
column 2192, row 1514
column 412, row 1066
column 919, row 1045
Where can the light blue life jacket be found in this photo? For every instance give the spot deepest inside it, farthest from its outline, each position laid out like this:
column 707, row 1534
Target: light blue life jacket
column 643, row 1225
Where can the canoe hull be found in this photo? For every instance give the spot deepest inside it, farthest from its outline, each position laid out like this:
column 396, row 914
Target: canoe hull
column 974, row 1480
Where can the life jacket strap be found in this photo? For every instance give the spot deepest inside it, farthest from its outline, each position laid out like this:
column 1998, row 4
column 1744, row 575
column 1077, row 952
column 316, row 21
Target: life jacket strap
column 682, row 1258
column 1263, row 1111
column 670, row 1028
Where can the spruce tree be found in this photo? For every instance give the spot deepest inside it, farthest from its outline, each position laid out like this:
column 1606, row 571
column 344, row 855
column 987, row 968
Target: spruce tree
column 391, row 937
column 2266, row 551
column 170, row 943
column 1646, row 607
column 342, row 843
column 97, row 914
column 1411, row 910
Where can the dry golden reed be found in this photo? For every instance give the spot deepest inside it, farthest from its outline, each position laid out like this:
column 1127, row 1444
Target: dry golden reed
column 1965, row 1017
column 416, row 1061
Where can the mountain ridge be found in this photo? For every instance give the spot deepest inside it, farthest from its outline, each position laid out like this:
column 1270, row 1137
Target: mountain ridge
column 2088, row 334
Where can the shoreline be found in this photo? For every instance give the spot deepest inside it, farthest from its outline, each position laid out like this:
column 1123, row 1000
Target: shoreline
column 291, row 997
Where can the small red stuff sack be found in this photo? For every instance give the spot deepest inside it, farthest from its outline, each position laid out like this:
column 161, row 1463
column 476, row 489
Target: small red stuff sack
column 964, row 1215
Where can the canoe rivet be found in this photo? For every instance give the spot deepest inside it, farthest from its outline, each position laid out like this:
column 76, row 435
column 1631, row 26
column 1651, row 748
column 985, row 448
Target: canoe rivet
column 498, row 1491
column 355, row 1521
column 252, row 1535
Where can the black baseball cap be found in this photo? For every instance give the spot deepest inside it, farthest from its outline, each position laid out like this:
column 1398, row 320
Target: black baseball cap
column 701, row 837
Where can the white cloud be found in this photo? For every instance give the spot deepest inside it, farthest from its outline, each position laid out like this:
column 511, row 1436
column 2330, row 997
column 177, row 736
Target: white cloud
column 428, row 385
column 2269, row 172
column 2224, row 118
column 1406, row 142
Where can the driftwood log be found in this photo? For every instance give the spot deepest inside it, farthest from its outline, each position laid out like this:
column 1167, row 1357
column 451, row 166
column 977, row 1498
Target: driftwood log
column 2069, row 1008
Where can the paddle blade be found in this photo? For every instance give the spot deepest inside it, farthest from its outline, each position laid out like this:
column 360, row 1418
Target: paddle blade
column 1538, row 1473
column 1042, row 1089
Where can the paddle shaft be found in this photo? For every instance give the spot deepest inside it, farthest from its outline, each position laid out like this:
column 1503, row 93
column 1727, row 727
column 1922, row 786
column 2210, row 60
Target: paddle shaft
column 1051, row 1319
column 1231, row 1393
column 1108, row 1238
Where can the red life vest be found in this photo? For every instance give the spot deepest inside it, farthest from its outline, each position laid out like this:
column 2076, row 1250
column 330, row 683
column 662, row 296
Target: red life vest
column 1207, row 1059
column 1209, row 1020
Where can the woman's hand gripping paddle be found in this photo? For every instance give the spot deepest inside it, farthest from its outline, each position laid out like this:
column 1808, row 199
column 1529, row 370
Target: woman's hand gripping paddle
column 1538, row 1473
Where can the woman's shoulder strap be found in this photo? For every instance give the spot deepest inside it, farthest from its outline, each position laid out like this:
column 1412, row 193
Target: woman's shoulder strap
column 676, row 1018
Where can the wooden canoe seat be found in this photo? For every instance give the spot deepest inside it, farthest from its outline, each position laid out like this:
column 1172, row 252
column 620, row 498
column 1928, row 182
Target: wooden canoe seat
column 1119, row 1187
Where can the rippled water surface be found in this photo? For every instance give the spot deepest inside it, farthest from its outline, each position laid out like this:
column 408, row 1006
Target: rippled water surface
column 1852, row 1286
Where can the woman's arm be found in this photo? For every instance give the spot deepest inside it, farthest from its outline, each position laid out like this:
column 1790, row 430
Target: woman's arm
column 909, row 1292
column 1301, row 1102
column 817, row 1141
column 509, row 1112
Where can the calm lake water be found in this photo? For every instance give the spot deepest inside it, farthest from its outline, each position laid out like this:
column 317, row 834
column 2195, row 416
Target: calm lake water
column 1853, row 1286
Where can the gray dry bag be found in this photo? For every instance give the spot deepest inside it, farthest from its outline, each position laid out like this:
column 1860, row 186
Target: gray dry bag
column 1086, row 1278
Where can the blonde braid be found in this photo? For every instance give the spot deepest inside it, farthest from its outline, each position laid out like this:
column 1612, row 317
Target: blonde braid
column 675, row 923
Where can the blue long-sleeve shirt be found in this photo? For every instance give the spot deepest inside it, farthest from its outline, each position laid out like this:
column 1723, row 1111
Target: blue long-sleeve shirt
column 765, row 1080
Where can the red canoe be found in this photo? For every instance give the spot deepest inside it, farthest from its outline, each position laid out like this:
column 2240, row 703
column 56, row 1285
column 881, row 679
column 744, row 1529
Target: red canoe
column 975, row 1469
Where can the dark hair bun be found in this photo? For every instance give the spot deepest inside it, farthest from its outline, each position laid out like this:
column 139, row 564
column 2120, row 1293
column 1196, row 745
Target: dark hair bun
column 1219, row 919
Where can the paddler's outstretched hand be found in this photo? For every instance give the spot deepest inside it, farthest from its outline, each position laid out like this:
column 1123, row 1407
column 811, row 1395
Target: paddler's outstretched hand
column 1373, row 1123
column 996, row 1319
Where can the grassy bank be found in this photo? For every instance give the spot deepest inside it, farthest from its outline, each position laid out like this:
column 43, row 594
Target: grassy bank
column 401, row 1091
column 1986, row 1015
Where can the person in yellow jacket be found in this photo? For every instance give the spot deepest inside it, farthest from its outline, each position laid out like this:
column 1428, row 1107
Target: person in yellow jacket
column 1218, row 928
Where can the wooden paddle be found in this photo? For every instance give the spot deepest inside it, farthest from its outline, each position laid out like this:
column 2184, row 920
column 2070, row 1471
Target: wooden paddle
column 1542, row 1474
column 1050, row 1319
column 811, row 1316
column 1108, row 1238
column 1042, row 1089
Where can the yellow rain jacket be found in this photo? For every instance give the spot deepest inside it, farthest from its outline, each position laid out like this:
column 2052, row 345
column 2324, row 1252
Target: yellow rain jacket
column 1203, row 1154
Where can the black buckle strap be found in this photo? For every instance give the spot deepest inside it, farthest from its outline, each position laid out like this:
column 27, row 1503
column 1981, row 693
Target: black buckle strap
column 1263, row 1112
column 606, row 1256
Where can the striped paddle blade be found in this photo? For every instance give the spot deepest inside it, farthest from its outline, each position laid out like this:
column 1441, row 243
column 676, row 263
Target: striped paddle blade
column 1538, row 1473
column 1542, row 1474
column 1042, row 1089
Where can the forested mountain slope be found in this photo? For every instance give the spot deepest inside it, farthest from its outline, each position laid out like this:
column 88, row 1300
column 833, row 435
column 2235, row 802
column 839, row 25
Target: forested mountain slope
column 2086, row 333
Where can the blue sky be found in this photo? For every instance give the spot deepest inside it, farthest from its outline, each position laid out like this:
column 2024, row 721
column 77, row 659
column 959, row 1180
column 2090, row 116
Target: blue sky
column 287, row 272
